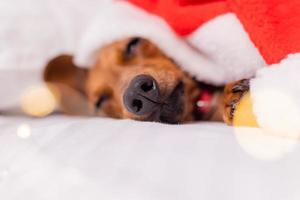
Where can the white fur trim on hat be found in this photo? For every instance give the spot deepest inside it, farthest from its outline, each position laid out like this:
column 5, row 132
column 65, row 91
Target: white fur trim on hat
column 275, row 93
column 225, row 41
column 121, row 20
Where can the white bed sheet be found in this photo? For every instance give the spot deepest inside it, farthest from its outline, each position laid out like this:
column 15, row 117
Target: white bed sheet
column 71, row 158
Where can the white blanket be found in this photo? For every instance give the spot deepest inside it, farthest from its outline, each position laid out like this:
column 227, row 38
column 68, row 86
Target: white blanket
column 65, row 158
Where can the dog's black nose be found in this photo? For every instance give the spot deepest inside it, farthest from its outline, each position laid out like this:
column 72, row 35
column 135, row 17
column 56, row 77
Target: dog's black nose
column 142, row 95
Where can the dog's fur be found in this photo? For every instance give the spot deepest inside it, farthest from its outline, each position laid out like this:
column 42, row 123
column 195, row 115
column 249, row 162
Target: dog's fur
column 100, row 88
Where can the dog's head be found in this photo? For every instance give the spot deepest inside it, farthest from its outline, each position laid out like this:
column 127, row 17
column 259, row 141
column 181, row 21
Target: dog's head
column 132, row 78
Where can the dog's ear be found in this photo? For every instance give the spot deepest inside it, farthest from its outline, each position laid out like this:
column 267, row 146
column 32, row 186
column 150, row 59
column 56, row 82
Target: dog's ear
column 67, row 82
column 62, row 70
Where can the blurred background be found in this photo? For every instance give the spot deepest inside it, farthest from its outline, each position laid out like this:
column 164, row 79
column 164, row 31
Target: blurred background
column 32, row 32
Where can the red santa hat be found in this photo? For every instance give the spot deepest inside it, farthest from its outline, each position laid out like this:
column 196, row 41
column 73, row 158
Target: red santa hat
column 218, row 41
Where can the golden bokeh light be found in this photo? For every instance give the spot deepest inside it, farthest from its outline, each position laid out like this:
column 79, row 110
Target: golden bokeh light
column 264, row 143
column 24, row 131
column 38, row 101
column 244, row 115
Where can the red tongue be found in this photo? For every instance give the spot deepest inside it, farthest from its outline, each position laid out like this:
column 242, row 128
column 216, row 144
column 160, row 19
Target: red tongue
column 204, row 102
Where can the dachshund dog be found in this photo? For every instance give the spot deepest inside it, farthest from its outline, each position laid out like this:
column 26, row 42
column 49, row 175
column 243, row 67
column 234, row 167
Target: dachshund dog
column 132, row 78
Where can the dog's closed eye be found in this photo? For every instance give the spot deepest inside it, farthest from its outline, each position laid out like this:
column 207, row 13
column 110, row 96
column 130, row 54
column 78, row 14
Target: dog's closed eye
column 131, row 47
column 102, row 99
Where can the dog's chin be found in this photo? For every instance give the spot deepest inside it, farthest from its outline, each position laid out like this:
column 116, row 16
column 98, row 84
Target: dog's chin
column 171, row 113
column 171, row 110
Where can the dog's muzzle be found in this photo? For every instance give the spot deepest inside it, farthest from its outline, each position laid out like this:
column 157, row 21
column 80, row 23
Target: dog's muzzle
column 143, row 98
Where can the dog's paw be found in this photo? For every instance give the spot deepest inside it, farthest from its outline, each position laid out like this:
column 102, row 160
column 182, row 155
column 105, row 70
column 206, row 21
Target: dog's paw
column 233, row 94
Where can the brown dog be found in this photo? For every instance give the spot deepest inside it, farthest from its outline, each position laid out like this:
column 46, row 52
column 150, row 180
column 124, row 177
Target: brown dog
column 133, row 78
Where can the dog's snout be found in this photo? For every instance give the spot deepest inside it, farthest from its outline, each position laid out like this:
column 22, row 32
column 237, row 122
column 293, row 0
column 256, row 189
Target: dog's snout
column 142, row 95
